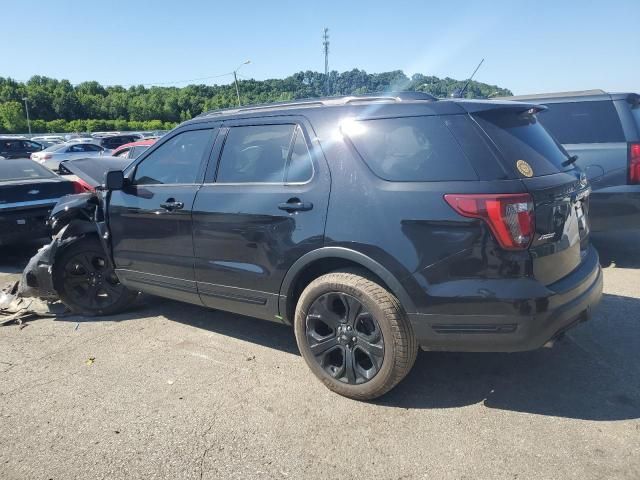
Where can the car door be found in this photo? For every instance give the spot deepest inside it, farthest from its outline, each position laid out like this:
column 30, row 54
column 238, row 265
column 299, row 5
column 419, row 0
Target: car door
column 263, row 206
column 150, row 219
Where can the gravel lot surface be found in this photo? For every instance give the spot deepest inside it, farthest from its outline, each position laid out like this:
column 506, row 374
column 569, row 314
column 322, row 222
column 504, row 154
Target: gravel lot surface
column 176, row 391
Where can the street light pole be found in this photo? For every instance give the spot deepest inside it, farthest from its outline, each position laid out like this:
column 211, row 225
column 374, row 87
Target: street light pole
column 26, row 107
column 235, row 78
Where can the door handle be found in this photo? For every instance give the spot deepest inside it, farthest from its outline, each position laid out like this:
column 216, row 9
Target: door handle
column 295, row 205
column 171, row 205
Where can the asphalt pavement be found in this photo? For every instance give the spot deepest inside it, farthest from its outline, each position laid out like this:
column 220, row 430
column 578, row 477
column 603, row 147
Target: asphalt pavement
column 174, row 391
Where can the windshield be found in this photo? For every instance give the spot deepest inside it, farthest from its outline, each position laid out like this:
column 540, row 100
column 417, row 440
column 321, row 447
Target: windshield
column 522, row 138
column 23, row 170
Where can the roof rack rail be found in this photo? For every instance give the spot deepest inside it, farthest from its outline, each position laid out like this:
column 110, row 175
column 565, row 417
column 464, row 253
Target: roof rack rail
column 328, row 101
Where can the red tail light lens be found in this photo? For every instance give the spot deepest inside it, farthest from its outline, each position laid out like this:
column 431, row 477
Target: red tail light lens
column 47, row 156
column 509, row 216
column 80, row 186
column 634, row 163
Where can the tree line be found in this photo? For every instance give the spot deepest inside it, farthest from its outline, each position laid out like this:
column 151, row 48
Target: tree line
column 58, row 106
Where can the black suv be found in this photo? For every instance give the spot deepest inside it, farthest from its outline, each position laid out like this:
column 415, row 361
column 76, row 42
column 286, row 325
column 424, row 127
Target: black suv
column 373, row 225
column 112, row 142
column 15, row 147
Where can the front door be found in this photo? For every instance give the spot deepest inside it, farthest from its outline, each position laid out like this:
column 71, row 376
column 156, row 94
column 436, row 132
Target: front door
column 150, row 219
column 263, row 206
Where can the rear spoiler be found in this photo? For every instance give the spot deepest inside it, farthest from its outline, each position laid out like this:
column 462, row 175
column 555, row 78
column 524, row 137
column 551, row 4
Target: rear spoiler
column 502, row 105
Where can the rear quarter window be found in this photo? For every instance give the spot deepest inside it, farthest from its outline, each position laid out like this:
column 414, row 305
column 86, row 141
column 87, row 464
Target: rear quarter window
column 583, row 122
column 410, row 149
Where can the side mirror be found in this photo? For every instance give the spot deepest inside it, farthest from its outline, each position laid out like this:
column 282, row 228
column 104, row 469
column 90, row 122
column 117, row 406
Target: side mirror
column 114, row 180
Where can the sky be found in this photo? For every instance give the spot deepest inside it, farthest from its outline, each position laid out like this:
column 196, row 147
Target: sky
column 528, row 46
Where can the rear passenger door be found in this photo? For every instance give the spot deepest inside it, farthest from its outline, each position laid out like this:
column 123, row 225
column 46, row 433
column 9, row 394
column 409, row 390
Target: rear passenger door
column 263, row 206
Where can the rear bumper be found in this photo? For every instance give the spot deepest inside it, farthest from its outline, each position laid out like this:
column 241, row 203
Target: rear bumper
column 546, row 313
column 17, row 226
column 615, row 208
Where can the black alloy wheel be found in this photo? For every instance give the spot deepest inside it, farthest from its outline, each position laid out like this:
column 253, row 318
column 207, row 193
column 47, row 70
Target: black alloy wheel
column 90, row 282
column 345, row 338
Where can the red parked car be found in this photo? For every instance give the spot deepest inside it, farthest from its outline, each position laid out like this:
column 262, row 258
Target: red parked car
column 133, row 149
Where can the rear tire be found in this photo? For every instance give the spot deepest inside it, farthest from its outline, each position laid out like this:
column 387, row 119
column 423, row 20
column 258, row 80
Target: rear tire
column 354, row 335
column 86, row 283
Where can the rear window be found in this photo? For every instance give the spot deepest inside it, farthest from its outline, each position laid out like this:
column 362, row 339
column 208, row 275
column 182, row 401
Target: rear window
column 11, row 170
column 56, row 147
column 410, row 149
column 583, row 122
column 522, row 137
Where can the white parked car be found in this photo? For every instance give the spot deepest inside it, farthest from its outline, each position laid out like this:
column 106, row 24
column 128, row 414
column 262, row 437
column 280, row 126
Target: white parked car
column 52, row 156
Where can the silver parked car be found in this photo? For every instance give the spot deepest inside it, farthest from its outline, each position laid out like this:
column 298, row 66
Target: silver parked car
column 52, row 156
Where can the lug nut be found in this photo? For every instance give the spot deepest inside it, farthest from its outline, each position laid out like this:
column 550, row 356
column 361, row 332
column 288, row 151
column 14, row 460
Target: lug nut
column 353, row 339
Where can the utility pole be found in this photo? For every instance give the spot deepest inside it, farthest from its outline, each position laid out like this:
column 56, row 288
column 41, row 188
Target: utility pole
column 235, row 78
column 325, row 44
column 26, row 107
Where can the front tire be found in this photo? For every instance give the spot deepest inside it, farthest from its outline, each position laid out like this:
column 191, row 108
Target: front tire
column 354, row 335
column 86, row 283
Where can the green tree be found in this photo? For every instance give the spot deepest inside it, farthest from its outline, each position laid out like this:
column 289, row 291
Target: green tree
column 12, row 117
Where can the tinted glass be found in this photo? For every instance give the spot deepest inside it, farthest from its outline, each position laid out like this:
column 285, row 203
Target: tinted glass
column 300, row 165
column 176, row 161
column 22, row 170
column 583, row 122
column 522, row 137
column 409, row 149
column 92, row 148
column 32, row 146
column 255, row 154
column 477, row 148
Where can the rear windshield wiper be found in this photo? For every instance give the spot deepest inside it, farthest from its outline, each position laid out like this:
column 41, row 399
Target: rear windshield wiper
column 570, row 160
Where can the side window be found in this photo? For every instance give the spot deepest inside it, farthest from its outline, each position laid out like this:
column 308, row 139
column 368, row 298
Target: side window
column 410, row 149
column 92, row 148
column 76, row 148
column 255, row 154
column 124, row 153
column 583, row 122
column 176, row 161
column 300, row 165
column 31, row 146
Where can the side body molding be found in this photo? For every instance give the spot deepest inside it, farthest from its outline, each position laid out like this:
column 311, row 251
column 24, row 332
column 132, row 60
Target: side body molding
column 340, row 253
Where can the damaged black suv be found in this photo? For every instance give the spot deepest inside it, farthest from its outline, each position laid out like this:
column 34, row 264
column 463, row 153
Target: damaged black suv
column 373, row 225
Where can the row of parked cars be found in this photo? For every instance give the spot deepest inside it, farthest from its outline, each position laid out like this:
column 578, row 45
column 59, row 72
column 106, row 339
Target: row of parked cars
column 373, row 225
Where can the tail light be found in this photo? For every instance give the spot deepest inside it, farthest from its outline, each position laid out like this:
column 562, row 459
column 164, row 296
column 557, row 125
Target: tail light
column 46, row 156
column 634, row 163
column 80, row 186
column 509, row 216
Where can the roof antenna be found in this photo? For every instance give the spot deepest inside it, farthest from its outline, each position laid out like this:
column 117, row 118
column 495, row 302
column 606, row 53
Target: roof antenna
column 459, row 93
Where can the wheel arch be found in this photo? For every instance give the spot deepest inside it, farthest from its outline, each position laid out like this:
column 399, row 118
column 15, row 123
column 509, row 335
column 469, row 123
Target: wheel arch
column 328, row 259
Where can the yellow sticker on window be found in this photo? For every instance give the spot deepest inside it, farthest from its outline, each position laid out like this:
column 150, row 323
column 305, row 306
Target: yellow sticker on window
column 524, row 168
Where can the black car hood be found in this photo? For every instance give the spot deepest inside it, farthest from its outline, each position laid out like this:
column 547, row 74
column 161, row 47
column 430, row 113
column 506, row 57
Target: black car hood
column 92, row 170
